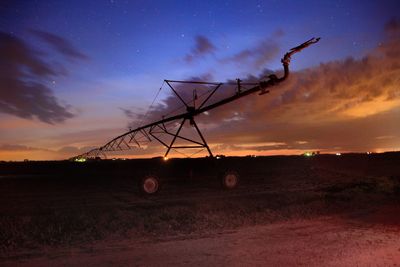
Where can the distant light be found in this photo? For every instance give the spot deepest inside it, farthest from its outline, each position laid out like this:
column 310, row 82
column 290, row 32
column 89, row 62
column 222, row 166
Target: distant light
column 166, row 158
column 338, row 154
column 217, row 157
column 308, row 154
column 80, row 160
column 368, row 153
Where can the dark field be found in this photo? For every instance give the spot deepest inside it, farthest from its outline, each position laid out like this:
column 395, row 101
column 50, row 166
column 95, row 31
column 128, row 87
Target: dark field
column 92, row 213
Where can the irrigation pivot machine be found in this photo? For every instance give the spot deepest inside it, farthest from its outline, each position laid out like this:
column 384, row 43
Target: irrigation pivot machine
column 172, row 126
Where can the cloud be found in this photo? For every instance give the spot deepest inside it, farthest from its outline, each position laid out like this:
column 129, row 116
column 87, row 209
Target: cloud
column 129, row 113
column 301, row 142
column 16, row 147
column 20, row 152
column 73, row 150
column 258, row 55
column 392, row 28
column 349, row 88
column 24, row 78
column 202, row 47
column 70, row 150
column 344, row 103
column 385, row 137
column 60, row 44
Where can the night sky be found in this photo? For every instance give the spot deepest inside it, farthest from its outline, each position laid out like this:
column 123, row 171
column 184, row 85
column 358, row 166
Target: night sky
column 74, row 74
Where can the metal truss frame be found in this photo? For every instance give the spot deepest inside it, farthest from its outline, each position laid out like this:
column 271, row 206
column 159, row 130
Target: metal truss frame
column 142, row 135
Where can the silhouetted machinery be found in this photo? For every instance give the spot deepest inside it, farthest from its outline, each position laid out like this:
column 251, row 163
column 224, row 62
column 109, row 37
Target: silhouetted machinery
column 171, row 126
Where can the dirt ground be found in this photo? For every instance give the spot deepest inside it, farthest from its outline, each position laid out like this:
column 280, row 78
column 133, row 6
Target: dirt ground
column 286, row 212
column 317, row 242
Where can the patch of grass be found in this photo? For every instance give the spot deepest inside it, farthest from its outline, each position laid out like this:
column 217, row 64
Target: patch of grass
column 375, row 185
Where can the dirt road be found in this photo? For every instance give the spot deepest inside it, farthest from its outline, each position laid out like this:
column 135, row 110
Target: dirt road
column 320, row 242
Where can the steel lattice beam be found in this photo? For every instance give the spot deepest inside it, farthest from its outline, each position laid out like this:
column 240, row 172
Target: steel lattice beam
column 134, row 138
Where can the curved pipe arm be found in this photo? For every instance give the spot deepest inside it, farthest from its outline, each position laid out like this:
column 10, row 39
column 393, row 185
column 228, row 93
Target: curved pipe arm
column 273, row 79
column 287, row 57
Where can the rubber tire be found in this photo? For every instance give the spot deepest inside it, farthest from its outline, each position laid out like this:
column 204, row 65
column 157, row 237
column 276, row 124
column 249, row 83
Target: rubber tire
column 149, row 185
column 230, row 180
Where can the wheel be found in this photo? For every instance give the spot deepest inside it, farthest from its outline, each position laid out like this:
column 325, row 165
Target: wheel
column 150, row 184
column 230, row 179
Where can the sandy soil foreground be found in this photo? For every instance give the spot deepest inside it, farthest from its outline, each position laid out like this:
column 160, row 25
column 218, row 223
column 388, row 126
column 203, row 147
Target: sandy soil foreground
column 320, row 242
